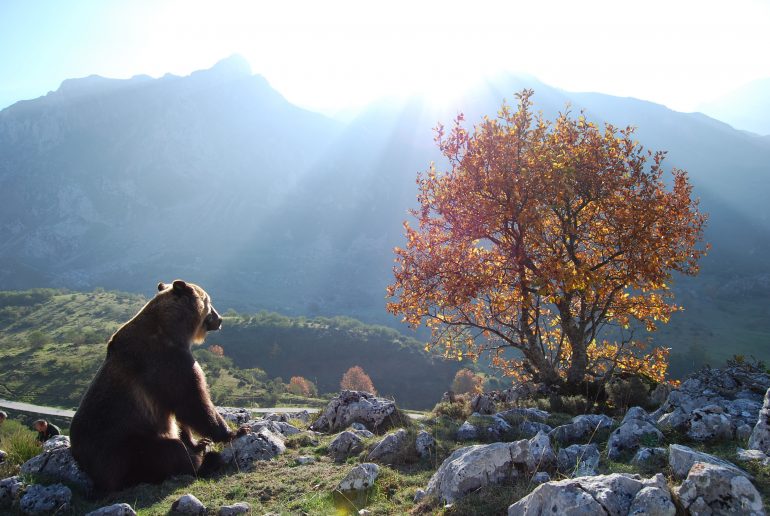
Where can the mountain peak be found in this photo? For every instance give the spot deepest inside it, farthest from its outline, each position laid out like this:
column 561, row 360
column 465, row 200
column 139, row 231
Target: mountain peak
column 236, row 64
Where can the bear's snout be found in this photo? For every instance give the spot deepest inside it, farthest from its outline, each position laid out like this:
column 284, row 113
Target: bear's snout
column 213, row 321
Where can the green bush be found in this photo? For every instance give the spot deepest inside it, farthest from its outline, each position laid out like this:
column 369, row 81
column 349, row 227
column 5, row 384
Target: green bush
column 18, row 442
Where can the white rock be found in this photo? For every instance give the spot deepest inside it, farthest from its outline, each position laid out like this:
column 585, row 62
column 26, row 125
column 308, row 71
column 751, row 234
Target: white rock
column 359, row 478
column 710, row 423
column 579, row 460
column 714, row 489
column 344, row 445
column 9, row 490
column 541, row 477
column 628, row 437
column 188, row 504
column 233, row 510
column 681, row 458
column 118, row 509
column 419, row 495
column 467, row 432
column 246, row 450
column 392, row 449
column 303, row 460
column 760, row 436
column 356, row 406
column 58, row 464
column 56, row 442
column 425, row 444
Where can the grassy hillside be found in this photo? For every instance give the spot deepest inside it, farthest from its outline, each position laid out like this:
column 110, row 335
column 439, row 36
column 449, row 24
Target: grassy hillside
column 52, row 342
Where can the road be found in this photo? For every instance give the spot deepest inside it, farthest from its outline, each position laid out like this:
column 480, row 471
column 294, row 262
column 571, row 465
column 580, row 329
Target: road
column 53, row 411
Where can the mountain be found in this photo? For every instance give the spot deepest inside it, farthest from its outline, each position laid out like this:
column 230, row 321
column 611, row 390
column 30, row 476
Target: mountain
column 217, row 179
column 746, row 108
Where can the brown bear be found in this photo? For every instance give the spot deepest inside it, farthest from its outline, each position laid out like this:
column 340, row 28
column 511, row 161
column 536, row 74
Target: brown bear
column 136, row 419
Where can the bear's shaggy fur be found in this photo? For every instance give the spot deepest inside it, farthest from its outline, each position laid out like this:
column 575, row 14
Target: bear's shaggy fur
column 136, row 419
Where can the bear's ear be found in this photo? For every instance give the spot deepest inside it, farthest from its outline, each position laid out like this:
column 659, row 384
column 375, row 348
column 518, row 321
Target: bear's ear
column 161, row 286
column 180, row 287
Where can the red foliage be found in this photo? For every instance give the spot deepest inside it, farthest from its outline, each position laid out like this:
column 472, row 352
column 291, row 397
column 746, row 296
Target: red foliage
column 355, row 379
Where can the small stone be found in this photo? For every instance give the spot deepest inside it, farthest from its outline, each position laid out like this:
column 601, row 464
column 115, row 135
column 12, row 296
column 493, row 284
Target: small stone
column 246, row 450
column 392, row 449
column 743, row 432
column 118, row 509
column 424, row 444
column 541, row 477
column 579, row 460
column 56, row 442
column 344, row 445
column 305, row 459
column 419, row 495
column 359, row 478
column 188, row 504
column 467, row 432
column 233, row 510
column 650, row 457
column 9, row 490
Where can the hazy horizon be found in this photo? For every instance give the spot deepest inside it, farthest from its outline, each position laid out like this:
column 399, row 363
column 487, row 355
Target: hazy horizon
column 337, row 57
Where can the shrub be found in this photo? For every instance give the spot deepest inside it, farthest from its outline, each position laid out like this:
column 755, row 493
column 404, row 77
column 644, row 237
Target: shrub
column 466, row 381
column 629, row 392
column 356, row 379
column 302, row 387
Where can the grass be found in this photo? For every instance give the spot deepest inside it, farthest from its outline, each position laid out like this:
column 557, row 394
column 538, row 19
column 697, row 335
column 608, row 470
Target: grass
column 19, row 443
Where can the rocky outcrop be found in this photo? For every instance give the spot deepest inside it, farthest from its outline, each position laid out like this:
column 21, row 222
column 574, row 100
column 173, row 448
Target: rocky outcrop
column 375, row 413
column 467, row 432
column 581, row 429
column 651, row 457
column 359, row 478
column 425, row 445
column 246, row 450
column 476, row 466
column 188, row 504
column 58, row 464
column 715, row 404
column 40, row 500
column 681, row 458
column 237, row 416
column 615, row 495
column 760, row 435
column 578, row 460
column 344, row 445
column 393, row 448
column 714, row 489
column 635, row 429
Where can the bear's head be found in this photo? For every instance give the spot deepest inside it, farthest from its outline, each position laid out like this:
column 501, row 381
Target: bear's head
column 186, row 309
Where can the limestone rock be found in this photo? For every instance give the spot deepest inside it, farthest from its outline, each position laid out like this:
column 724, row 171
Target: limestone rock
column 714, row 489
column 58, row 464
column 651, row 457
column 246, row 450
column 345, row 445
column 541, row 454
column 760, row 436
column 425, row 444
column 471, row 467
column 356, row 406
column 39, row 500
column 303, row 460
column 615, row 494
column 743, row 432
column 188, row 504
column 531, row 428
column 118, row 509
column 581, row 429
column 3, row 455
column 467, row 432
column 9, row 490
column 517, row 415
column 637, row 413
column 360, row 477
column 56, row 442
column 234, row 509
column 578, row 460
column 237, row 416
column 483, row 403
column 541, row 477
column 392, row 449
column 629, row 435
column 419, row 495
column 710, row 423
column 681, row 458
column 752, row 455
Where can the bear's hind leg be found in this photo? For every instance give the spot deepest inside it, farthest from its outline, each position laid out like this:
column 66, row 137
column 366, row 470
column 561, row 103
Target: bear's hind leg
column 154, row 459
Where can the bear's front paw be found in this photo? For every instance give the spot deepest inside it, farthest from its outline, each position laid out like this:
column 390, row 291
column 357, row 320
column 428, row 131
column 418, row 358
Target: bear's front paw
column 202, row 445
column 243, row 430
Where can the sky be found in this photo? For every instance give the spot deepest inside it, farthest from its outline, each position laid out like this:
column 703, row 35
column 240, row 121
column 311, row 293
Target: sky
column 336, row 55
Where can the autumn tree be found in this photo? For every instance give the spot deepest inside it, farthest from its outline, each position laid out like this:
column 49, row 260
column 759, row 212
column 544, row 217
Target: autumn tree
column 355, row 379
column 302, row 387
column 217, row 350
column 466, row 381
column 556, row 239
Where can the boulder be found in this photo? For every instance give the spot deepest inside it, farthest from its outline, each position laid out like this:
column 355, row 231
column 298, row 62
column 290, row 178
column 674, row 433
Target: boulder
column 714, row 489
column 56, row 442
column 419, row 495
column 483, row 403
column 393, row 448
column 760, row 436
column 651, row 457
column 578, row 460
column 616, row 495
column 681, row 458
column 541, row 477
column 53, row 499
column 496, row 428
column 235, row 509
column 3, row 455
column 628, row 437
column 677, row 419
column 743, row 432
column 303, row 460
column 118, row 509
column 246, row 450
column 302, row 415
column 59, row 465
column 356, row 406
column 471, row 467
column 424, row 444
column 344, row 445
column 541, row 454
column 637, row 413
column 710, row 423
column 581, row 429
column 531, row 428
column 188, row 504
column 9, row 491
column 237, row 416
column 467, row 432
column 359, row 478
column 752, row 455
column 277, row 427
